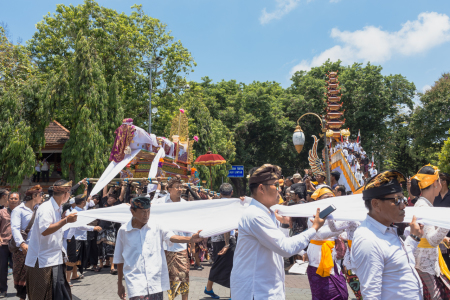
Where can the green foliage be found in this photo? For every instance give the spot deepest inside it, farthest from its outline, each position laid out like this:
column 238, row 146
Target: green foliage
column 430, row 121
column 444, row 156
column 94, row 114
column 121, row 42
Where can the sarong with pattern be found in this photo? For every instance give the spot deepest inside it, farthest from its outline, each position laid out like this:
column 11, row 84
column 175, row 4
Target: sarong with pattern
column 157, row 296
column 434, row 287
column 353, row 282
column 178, row 266
column 333, row 287
column 20, row 274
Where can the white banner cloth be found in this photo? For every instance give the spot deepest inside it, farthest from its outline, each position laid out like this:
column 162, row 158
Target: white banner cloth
column 219, row 216
column 212, row 216
column 112, row 170
column 154, row 169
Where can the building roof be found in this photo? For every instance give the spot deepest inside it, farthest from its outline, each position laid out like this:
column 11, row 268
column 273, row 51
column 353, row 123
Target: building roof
column 56, row 134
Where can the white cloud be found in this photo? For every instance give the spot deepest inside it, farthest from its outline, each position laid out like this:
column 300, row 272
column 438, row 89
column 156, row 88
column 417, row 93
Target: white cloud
column 283, row 7
column 426, row 88
column 375, row 45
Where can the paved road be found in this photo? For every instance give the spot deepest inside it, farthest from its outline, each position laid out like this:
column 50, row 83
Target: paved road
column 103, row 286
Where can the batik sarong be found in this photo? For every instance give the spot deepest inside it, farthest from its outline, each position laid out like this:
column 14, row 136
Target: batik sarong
column 333, row 287
column 157, row 296
column 178, row 266
column 353, row 282
column 20, row 274
column 106, row 240
column 47, row 283
column 434, row 287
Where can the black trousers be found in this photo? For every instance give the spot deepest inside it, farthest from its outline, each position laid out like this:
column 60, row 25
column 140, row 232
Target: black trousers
column 36, row 176
column 92, row 250
column 4, row 259
column 45, row 176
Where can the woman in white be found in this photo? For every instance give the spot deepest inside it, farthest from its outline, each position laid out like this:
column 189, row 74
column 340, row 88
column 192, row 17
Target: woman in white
column 349, row 227
column 429, row 262
column 325, row 277
column 20, row 219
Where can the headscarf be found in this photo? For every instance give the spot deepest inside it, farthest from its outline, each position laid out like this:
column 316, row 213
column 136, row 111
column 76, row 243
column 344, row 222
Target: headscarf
column 321, row 191
column 140, row 203
column 265, row 173
column 425, row 180
column 385, row 183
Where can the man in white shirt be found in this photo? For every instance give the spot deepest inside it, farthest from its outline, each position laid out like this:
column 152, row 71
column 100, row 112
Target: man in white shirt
column 373, row 171
column 46, row 273
column 258, row 267
column 384, row 264
column 176, row 253
column 139, row 254
column 45, row 171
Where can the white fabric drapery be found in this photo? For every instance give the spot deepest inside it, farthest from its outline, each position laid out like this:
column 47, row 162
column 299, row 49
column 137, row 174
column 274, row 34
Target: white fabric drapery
column 219, row 216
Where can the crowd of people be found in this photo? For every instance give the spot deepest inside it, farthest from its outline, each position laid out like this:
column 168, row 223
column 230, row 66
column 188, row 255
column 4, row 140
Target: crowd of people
column 375, row 258
column 361, row 166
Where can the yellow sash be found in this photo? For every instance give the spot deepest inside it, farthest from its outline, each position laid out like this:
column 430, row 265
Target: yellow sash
column 326, row 260
column 442, row 265
column 349, row 242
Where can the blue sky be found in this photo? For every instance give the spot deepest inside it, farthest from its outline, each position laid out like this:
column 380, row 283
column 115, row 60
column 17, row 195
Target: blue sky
column 267, row 40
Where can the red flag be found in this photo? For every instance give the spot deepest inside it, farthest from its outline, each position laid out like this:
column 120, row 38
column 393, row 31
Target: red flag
column 372, row 160
column 342, row 141
column 359, row 134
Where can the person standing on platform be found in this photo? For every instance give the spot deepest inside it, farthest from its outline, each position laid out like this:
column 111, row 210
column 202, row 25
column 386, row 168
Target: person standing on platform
column 261, row 244
column 46, row 271
column 443, row 200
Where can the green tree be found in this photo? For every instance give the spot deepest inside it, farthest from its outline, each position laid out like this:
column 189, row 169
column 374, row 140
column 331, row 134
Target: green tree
column 94, row 114
column 121, row 42
column 430, row 120
column 444, row 156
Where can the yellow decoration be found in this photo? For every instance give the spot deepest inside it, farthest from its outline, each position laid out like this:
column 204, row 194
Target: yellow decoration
column 320, row 192
column 425, row 180
column 442, row 265
column 326, row 260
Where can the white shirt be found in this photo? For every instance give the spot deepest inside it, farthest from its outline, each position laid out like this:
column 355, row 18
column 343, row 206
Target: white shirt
column 44, row 166
column 427, row 259
column 174, row 247
column 140, row 250
column 384, row 264
column 37, row 168
column 373, row 172
column 20, row 218
column 258, row 267
column 315, row 251
column 79, row 233
column 47, row 249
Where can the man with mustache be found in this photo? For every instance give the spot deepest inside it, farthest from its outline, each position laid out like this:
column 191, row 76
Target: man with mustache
column 384, row 264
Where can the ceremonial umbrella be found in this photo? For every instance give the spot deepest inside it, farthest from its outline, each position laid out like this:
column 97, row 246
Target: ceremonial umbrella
column 209, row 159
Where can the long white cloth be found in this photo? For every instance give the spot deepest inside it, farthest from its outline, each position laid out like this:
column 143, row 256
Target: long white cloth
column 219, row 216
column 212, row 216
column 154, row 169
column 112, row 170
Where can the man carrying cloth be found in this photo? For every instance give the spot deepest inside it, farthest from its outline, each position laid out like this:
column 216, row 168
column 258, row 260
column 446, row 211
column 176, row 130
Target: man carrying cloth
column 46, row 273
column 258, row 268
column 384, row 264
column 139, row 254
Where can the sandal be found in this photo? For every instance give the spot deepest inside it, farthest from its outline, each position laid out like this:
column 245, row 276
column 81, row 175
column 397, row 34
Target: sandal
column 113, row 272
column 79, row 277
column 97, row 269
column 70, row 284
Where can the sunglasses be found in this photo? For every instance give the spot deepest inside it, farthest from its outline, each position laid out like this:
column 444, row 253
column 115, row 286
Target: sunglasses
column 277, row 185
column 397, row 200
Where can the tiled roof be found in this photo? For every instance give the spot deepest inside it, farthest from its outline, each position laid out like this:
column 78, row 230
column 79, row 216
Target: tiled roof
column 56, row 134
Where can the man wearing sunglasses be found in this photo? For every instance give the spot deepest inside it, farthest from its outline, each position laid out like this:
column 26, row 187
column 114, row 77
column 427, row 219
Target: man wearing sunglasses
column 384, row 264
column 258, row 267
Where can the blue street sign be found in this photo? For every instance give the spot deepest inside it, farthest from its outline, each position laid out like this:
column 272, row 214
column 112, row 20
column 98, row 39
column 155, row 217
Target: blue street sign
column 236, row 172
